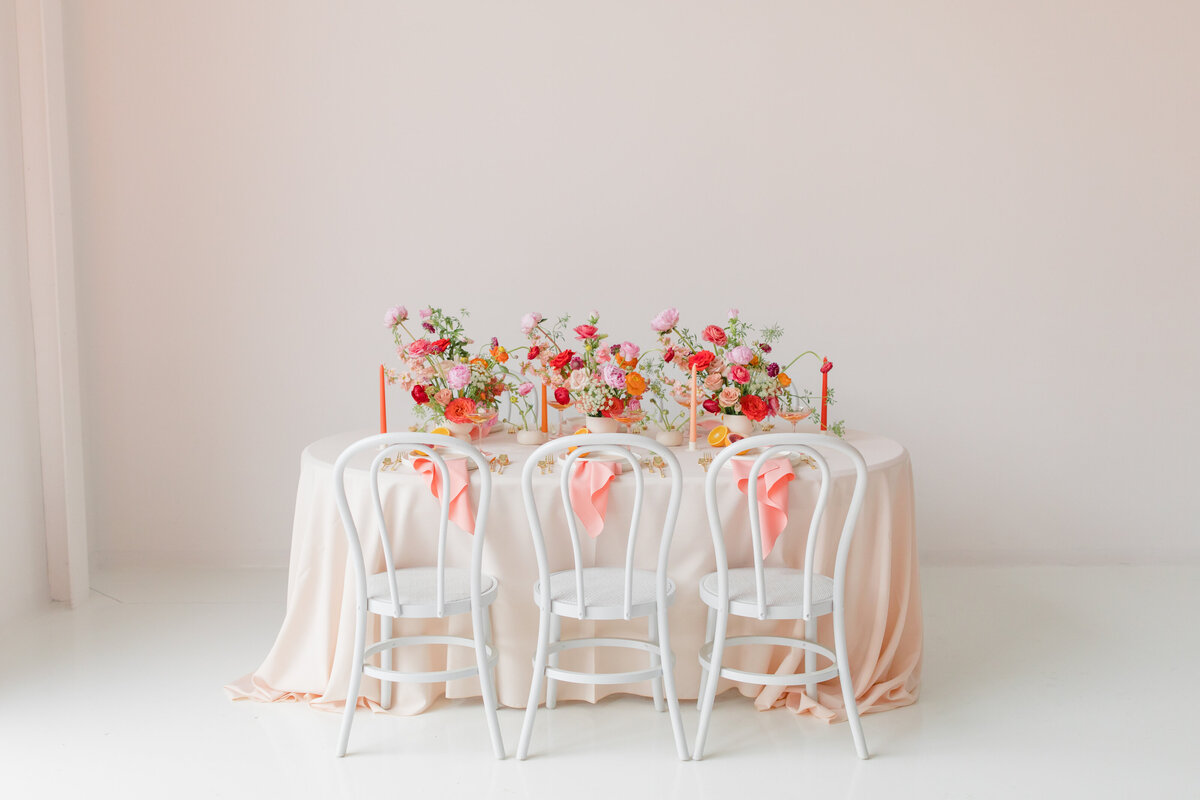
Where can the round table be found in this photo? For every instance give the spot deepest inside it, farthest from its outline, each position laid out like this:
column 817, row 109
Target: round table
column 311, row 657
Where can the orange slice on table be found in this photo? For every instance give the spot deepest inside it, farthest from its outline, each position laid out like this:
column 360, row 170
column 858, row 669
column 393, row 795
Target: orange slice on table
column 442, row 431
column 718, row 436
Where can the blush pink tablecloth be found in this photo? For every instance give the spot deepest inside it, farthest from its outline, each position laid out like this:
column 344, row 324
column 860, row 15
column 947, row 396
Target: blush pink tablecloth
column 310, row 659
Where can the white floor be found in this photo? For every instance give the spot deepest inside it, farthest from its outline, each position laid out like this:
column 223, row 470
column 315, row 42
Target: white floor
column 1039, row 682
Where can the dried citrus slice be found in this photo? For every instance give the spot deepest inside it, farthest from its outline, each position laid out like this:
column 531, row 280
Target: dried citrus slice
column 718, row 436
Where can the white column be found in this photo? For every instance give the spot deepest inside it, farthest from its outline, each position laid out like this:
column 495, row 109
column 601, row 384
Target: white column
column 52, row 293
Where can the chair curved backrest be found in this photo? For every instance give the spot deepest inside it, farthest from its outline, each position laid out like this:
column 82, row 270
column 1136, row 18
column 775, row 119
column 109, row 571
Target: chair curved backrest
column 615, row 444
column 391, row 446
column 774, row 446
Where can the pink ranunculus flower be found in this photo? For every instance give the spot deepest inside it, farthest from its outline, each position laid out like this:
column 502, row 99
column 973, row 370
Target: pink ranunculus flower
column 714, row 334
column 443, row 397
column 613, row 375
column 739, row 373
column 585, row 332
column 733, row 313
column 395, row 316
column 741, row 354
column 728, row 396
column 418, row 348
column 602, row 357
column 525, row 388
column 666, row 320
column 459, row 376
column 713, row 382
column 578, row 380
column 529, row 322
column 426, row 313
column 772, row 406
column 629, row 351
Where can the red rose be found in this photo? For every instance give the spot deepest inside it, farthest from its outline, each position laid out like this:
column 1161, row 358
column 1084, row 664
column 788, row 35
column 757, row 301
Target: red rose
column 754, row 407
column 669, row 355
column 714, row 334
column 441, row 345
column 711, row 406
column 419, row 395
column 533, row 352
column 615, row 406
column 584, row 332
column 562, row 396
column 561, row 360
column 828, row 365
column 701, row 360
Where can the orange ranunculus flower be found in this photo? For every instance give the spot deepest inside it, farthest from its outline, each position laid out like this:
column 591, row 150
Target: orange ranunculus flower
column 784, row 380
column 754, row 362
column 458, row 409
column 499, row 354
column 635, row 384
column 481, row 362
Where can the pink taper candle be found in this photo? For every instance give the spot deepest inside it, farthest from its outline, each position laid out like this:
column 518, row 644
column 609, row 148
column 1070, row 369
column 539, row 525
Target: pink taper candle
column 826, row 365
column 382, row 400
column 692, row 434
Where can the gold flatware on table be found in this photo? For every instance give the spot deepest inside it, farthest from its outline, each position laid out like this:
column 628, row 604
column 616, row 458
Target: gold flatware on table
column 705, row 460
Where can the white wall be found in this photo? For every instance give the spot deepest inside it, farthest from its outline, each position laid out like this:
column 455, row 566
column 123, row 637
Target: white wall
column 984, row 212
column 23, row 583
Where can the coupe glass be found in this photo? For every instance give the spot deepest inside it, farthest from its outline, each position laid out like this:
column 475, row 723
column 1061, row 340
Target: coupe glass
column 559, row 407
column 629, row 418
column 794, row 409
column 481, row 416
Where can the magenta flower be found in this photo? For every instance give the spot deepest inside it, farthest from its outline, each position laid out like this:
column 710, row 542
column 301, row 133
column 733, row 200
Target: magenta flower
column 828, row 365
column 711, row 406
column 772, row 369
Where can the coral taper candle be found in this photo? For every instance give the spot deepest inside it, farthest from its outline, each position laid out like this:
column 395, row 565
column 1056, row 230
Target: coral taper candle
column 826, row 365
column 545, row 418
column 382, row 400
column 692, row 434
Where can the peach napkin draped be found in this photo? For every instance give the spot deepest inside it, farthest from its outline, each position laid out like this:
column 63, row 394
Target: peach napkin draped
column 773, row 481
column 461, row 513
column 588, row 487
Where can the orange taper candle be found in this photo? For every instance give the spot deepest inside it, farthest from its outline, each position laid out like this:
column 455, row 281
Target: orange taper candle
column 692, row 434
column 382, row 400
column 545, row 418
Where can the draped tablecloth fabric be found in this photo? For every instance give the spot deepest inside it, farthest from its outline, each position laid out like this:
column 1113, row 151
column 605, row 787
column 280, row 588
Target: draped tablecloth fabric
column 310, row 660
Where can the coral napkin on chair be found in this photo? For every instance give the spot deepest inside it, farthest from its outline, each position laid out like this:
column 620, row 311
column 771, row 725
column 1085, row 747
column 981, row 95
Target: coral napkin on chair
column 589, row 492
column 773, row 481
column 460, row 499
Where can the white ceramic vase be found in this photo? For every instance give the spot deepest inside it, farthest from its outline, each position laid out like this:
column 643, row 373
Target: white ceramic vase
column 530, row 437
column 669, row 438
column 601, row 424
column 738, row 423
column 460, row 430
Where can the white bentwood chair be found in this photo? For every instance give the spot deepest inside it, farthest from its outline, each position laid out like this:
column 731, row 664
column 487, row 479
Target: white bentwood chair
column 775, row 593
column 419, row 592
column 603, row 593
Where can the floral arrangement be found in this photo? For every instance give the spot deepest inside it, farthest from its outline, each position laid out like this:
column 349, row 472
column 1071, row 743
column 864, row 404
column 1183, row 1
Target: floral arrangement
column 735, row 370
column 666, row 401
column 598, row 379
column 438, row 370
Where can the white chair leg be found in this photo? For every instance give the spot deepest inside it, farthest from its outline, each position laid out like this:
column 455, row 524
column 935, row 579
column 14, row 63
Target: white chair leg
column 551, row 684
column 843, row 662
column 480, row 629
column 668, row 661
column 356, row 672
column 656, row 684
column 385, row 661
column 489, row 638
column 714, row 677
column 535, row 686
column 709, row 627
column 810, row 658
